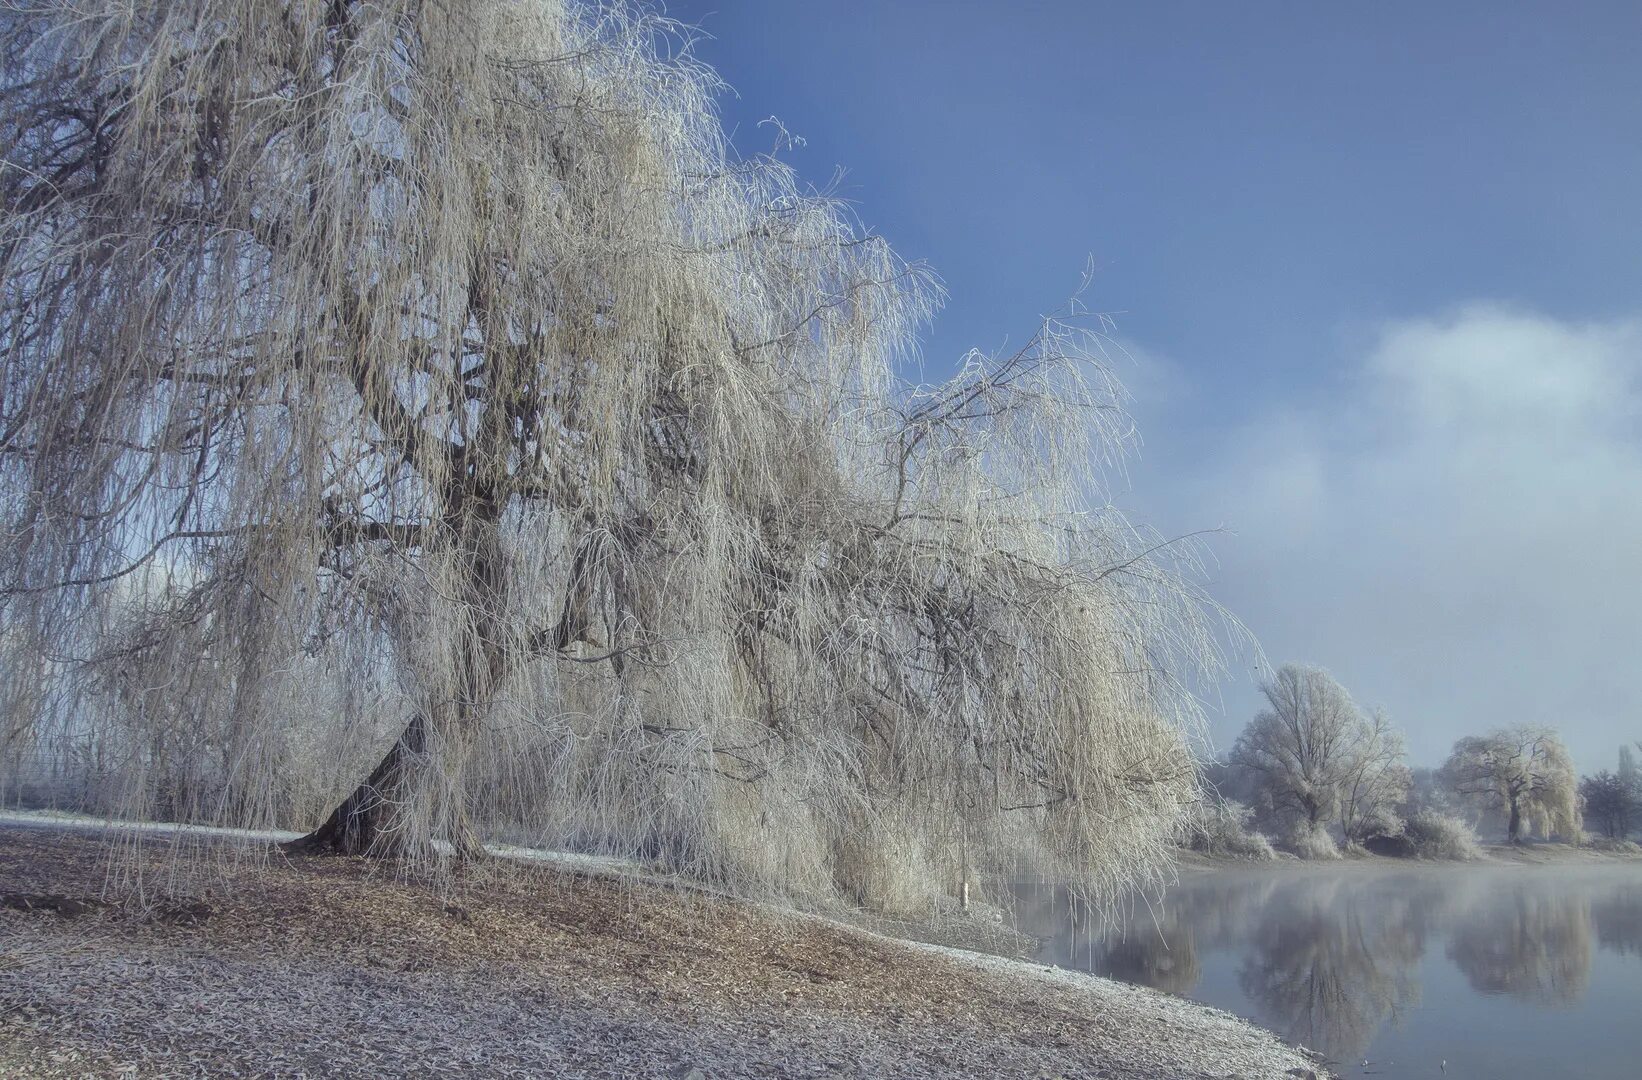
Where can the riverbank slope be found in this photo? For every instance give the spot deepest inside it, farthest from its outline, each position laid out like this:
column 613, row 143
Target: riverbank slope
column 330, row 968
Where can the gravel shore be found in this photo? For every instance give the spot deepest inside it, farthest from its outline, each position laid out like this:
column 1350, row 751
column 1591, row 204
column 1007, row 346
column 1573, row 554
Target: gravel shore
column 316, row 967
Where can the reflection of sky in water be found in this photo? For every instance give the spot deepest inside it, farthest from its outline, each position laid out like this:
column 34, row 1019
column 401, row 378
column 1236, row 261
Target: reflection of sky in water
column 1504, row 972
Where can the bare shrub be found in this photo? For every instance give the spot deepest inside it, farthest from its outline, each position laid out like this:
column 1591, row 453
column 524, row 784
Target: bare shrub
column 421, row 392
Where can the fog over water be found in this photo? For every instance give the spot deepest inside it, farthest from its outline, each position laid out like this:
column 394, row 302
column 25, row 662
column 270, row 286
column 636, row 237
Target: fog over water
column 1499, row 972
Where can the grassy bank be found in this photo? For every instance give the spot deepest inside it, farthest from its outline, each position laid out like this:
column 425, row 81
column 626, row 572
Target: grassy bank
column 330, row 967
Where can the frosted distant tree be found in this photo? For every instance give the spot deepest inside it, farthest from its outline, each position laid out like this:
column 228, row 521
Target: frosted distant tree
column 1429, row 791
column 1628, row 773
column 1614, row 800
column 1524, row 772
column 1609, row 801
column 1376, row 780
column 1631, row 778
column 454, row 406
column 1315, row 758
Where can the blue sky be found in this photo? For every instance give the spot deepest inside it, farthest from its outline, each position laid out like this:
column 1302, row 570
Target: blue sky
column 1380, row 270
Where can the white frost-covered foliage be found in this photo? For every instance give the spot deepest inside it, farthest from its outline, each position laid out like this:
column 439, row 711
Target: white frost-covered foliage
column 424, row 384
column 1310, row 841
column 1223, row 827
column 1431, row 835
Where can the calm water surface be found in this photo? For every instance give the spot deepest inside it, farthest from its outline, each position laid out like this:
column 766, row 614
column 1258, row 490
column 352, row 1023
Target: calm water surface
column 1494, row 973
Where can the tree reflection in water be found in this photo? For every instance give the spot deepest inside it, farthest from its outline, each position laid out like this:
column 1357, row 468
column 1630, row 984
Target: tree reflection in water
column 1330, row 957
column 1526, row 942
column 1618, row 917
column 1330, row 962
column 1156, row 945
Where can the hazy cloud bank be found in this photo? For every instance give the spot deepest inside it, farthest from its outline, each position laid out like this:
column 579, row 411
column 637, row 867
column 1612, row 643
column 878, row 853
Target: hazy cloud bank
column 1454, row 529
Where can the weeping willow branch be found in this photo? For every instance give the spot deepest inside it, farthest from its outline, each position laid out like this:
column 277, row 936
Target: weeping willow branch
column 422, row 392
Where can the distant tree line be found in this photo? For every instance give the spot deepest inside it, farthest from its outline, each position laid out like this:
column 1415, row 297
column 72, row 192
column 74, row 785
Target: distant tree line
column 1314, row 771
column 1613, row 800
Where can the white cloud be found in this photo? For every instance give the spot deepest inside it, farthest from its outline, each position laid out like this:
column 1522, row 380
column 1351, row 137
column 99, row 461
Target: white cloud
column 1455, row 531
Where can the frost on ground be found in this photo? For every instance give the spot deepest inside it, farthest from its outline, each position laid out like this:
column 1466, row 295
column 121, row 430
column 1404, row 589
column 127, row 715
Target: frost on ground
column 333, row 968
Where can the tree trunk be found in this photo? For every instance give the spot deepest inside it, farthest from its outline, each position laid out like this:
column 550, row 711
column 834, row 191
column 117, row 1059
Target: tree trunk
column 363, row 824
column 1513, row 831
column 374, row 820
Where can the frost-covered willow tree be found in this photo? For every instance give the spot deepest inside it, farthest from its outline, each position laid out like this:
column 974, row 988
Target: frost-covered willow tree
column 1524, row 772
column 421, row 391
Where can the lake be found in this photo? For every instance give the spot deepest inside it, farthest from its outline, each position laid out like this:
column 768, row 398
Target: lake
column 1494, row 973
